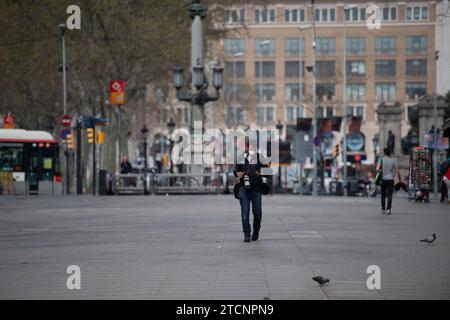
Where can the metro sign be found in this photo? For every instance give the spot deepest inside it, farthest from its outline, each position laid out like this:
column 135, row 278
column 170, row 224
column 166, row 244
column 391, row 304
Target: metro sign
column 117, row 92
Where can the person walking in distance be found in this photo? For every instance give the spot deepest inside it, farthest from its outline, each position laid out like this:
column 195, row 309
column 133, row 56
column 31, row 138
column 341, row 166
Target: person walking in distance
column 248, row 170
column 388, row 165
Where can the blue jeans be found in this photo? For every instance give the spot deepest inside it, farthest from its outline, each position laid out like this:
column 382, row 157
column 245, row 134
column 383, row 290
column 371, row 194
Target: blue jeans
column 244, row 199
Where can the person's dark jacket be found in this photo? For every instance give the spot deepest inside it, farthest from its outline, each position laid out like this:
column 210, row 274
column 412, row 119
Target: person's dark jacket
column 125, row 167
column 250, row 169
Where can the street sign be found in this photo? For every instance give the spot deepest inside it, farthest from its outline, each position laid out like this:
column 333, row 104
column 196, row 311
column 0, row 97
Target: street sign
column 9, row 121
column 64, row 134
column 66, row 121
column 117, row 92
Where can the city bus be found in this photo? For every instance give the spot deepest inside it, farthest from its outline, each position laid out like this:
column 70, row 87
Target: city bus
column 28, row 159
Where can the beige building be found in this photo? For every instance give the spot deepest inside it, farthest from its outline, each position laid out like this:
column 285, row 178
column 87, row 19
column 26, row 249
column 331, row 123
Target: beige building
column 265, row 55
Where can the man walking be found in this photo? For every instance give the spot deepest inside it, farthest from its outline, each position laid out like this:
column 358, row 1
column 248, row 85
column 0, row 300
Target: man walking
column 388, row 165
column 248, row 170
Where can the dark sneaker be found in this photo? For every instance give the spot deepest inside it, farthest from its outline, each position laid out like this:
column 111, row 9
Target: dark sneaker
column 383, row 211
column 389, row 212
column 247, row 238
column 255, row 235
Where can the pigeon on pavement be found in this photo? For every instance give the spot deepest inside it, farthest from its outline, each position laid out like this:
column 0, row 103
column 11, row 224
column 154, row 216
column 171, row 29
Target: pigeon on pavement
column 429, row 239
column 321, row 280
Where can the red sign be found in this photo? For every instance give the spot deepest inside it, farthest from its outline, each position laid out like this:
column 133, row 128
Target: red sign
column 117, row 92
column 66, row 120
column 9, row 121
column 117, row 86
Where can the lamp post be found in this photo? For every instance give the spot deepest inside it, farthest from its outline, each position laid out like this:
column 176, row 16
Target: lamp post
column 236, row 55
column 344, row 98
column 144, row 136
column 435, row 153
column 261, row 45
column 171, row 126
column 63, row 28
column 197, row 93
column 279, row 127
column 375, row 140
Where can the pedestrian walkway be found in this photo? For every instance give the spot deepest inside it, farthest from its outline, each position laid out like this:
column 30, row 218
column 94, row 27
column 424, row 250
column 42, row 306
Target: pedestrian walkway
column 190, row 247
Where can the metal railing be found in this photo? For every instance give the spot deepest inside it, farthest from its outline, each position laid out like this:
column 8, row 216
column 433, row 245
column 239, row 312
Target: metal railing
column 171, row 183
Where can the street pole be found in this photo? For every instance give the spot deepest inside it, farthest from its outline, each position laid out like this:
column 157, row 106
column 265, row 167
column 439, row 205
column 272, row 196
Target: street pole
column 66, row 159
column 344, row 106
column 79, row 163
column 119, row 152
column 94, row 163
column 314, row 191
column 435, row 150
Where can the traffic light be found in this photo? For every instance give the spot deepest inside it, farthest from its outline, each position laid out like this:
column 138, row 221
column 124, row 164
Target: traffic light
column 100, row 137
column 336, row 150
column 69, row 141
column 90, row 135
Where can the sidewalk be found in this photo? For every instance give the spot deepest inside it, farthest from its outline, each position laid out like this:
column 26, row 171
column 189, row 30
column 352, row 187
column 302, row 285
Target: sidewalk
column 190, row 247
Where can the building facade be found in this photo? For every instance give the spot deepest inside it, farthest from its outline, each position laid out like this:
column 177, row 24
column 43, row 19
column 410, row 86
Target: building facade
column 268, row 50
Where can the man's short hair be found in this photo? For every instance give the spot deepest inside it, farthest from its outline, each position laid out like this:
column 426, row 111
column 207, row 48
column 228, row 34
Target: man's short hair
column 387, row 151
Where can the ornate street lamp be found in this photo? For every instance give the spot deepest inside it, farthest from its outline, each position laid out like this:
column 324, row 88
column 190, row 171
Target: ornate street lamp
column 196, row 92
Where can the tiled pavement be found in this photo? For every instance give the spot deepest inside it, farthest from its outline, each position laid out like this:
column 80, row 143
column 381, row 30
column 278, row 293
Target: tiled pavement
column 190, row 247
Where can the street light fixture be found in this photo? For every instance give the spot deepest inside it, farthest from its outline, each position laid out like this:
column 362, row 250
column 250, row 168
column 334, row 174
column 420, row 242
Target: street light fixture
column 198, row 99
column 344, row 98
column 177, row 77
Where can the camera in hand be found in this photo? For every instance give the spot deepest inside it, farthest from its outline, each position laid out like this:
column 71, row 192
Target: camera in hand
column 247, row 183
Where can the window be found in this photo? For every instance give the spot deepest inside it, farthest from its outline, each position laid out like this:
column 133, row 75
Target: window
column 235, row 16
column 265, row 15
column 325, row 90
column 385, row 45
column 325, row 69
column 268, row 69
column 385, row 68
column 266, row 114
column 292, row 69
column 356, row 111
column 355, row 14
column 416, row 67
column 356, row 68
column 385, row 91
column 389, row 14
column 415, row 90
column 294, row 15
column 294, row 112
column 416, row 45
column 233, row 46
column 294, row 46
column 356, row 46
column 236, row 115
column 235, row 69
column 326, row 46
column 356, row 91
column 266, row 47
column 325, row 15
column 267, row 92
column 324, row 112
column 235, row 92
column 291, row 92
column 417, row 13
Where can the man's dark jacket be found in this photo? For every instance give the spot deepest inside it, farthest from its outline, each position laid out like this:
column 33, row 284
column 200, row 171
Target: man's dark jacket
column 250, row 168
